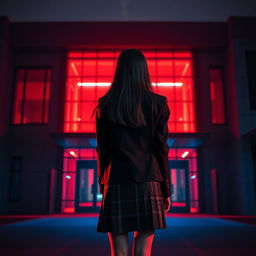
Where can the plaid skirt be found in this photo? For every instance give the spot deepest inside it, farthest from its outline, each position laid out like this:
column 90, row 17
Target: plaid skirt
column 131, row 207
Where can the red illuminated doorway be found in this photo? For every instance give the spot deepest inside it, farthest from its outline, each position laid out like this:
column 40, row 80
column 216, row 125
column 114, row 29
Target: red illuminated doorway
column 180, row 192
column 87, row 196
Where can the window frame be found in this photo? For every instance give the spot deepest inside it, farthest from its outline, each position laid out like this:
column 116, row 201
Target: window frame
column 173, row 50
column 222, row 69
column 14, row 87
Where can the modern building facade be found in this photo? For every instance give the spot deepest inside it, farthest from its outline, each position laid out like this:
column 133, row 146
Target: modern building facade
column 52, row 74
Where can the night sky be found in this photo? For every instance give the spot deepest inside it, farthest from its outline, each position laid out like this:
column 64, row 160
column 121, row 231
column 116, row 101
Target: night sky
column 125, row 10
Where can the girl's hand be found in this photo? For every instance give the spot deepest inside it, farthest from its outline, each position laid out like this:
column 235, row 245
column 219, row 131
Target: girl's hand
column 167, row 204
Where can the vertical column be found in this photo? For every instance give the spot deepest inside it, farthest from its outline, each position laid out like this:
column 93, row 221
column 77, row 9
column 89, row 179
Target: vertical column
column 5, row 107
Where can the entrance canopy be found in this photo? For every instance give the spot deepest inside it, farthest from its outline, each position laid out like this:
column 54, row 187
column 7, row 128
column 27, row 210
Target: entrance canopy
column 179, row 140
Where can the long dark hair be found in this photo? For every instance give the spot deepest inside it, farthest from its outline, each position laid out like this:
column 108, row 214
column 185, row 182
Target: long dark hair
column 122, row 102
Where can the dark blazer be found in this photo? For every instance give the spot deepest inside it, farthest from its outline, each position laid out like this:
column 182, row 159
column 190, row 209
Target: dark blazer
column 127, row 155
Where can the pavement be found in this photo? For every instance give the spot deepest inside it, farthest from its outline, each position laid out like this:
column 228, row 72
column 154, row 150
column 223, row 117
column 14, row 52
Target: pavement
column 75, row 235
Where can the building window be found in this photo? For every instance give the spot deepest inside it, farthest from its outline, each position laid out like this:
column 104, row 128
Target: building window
column 251, row 74
column 15, row 179
column 90, row 72
column 31, row 96
column 217, row 95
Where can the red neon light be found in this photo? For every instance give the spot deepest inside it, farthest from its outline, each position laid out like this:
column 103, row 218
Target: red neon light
column 69, row 210
column 178, row 204
column 86, row 204
column 108, row 84
column 193, row 210
column 90, row 72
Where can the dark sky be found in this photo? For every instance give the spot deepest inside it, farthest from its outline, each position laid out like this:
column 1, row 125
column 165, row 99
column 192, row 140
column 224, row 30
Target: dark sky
column 126, row 10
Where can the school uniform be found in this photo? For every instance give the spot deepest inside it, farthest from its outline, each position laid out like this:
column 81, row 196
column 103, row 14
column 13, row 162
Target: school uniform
column 133, row 171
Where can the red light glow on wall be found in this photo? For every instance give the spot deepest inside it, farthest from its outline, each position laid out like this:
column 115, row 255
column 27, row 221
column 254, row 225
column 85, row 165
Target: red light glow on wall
column 90, row 73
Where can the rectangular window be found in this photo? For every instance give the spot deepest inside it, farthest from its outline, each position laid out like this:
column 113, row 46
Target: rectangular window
column 15, row 179
column 251, row 74
column 217, row 95
column 31, row 95
column 90, row 73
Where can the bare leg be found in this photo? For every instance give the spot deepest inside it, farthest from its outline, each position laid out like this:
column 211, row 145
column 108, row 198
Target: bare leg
column 119, row 244
column 142, row 244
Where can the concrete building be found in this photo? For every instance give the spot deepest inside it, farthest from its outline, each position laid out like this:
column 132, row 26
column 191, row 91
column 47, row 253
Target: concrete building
column 52, row 74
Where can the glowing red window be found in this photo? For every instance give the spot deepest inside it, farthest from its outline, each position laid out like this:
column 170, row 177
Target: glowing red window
column 31, row 99
column 90, row 72
column 217, row 96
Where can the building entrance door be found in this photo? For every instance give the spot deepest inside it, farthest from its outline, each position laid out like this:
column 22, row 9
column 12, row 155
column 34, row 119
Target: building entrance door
column 180, row 192
column 87, row 194
column 88, row 197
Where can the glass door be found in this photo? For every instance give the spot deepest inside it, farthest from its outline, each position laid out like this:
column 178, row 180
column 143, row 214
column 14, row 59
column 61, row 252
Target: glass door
column 88, row 197
column 87, row 194
column 179, row 177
